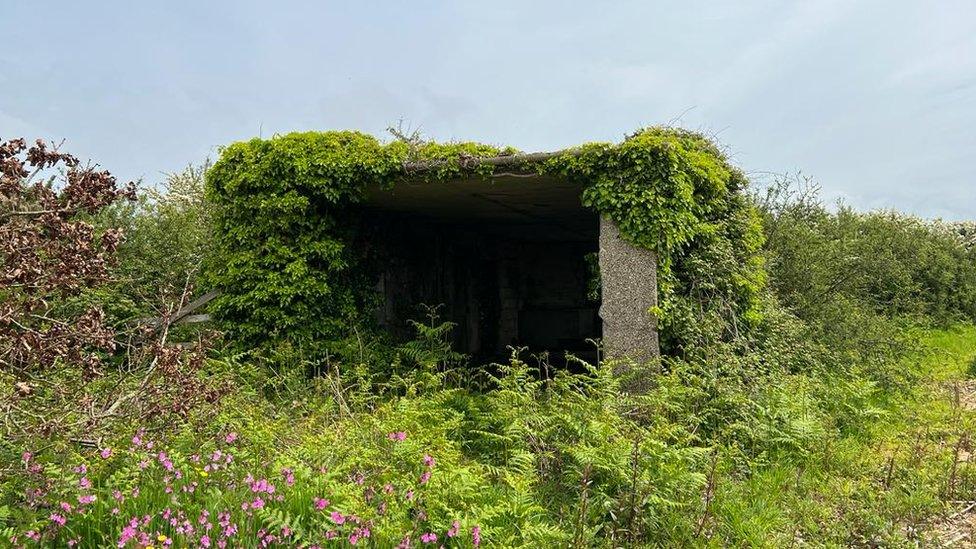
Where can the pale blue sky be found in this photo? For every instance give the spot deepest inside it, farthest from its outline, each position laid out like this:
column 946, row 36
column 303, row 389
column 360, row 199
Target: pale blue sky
column 875, row 98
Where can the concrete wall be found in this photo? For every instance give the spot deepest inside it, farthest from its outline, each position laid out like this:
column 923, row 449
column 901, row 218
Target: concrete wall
column 629, row 290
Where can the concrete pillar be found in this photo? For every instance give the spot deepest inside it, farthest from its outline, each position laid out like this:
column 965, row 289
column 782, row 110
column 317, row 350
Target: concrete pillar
column 629, row 289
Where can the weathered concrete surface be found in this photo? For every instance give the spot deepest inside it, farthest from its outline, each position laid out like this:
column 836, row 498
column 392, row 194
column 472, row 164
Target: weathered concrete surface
column 629, row 289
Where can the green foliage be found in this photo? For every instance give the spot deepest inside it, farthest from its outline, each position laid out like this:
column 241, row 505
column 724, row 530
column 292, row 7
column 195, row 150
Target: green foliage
column 283, row 233
column 809, row 410
column 887, row 263
column 290, row 267
column 166, row 238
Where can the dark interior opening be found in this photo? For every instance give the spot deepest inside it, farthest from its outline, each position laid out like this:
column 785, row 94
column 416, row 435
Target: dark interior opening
column 511, row 259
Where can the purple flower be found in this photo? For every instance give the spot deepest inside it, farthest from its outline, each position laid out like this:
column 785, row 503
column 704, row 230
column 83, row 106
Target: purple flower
column 230, row 438
column 337, row 517
column 320, row 503
column 288, row 475
column 428, row 460
column 258, row 503
column 455, row 527
column 476, row 535
column 86, row 499
column 398, row 436
column 428, row 537
column 58, row 519
column 106, row 453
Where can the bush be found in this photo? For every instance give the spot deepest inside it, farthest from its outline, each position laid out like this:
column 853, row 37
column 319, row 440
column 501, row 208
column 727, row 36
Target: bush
column 888, row 263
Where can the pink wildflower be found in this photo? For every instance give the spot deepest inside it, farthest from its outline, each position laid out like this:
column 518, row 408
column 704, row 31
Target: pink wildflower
column 36, row 536
column 476, row 535
column 262, row 485
column 86, row 499
column 106, row 453
column 337, row 517
column 425, row 477
column 26, row 457
column 288, row 475
column 258, row 503
column 353, row 538
column 205, row 540
column 84, row 483
column 398, row 436
column 428, row 537
column 58, row 519
column 428, row 460
column 331, row 534
column 128, row 533
column 81, row 469
column 455, row 527
column 65, row 506
column 230, row 438
column 320, row 503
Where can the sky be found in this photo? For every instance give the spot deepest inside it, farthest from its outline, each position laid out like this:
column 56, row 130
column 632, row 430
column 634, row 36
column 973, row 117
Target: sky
column 876, row 99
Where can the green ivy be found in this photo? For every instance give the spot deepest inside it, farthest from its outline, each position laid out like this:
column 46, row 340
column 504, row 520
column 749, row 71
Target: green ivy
column 290, row 268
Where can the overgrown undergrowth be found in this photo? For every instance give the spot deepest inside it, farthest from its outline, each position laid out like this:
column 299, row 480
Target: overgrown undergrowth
column 843, row 418
column 560, row 461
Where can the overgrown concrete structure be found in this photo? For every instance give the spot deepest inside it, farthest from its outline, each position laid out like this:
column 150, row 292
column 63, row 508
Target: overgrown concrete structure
column 516, row 260
column 320, row 238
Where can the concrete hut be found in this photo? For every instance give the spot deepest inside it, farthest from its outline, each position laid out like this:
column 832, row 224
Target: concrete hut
column 512, row 258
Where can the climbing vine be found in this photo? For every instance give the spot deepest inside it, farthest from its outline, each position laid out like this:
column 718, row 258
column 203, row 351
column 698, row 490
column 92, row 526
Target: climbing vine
column 290, row 267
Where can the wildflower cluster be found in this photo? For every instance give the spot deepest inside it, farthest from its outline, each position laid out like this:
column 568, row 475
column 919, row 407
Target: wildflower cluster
column 150, row 495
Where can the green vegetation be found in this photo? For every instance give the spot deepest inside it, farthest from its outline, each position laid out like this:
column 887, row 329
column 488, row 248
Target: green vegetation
column 839, row 412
